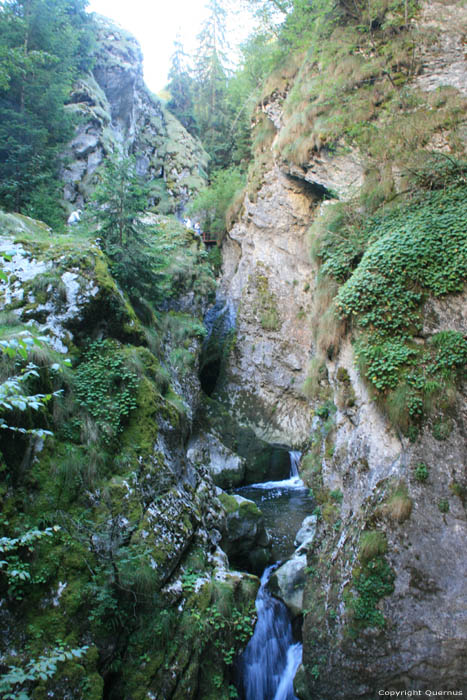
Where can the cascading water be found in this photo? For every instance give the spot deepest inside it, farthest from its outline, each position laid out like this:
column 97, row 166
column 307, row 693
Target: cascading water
column 294, row 462
column 269, row 663
column 219, row 322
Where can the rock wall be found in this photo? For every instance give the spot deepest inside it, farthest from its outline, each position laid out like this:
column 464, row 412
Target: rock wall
column 134, row 570
column 268, row 276
column 117, row 111
column 391, row 619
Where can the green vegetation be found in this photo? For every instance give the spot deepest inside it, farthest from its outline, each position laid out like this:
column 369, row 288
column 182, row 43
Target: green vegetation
column 421, row 472
column 400, row 239
column 213, row 204
column 372, row 583
column 418, row 250
column 99, row 485
column 410, row 252
column 108, row 498
column 41, row 669
column 372, row 544
column 372, row 580
column 106, row 388
column 43, row 46
column 443, row 505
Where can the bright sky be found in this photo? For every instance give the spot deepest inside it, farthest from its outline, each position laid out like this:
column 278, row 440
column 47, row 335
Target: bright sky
column 155, row 24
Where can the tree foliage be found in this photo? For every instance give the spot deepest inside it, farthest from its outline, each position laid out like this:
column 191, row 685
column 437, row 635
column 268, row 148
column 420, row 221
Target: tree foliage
column 43, row 44
column 211, row 79
column 14, row 393
column 181, row 88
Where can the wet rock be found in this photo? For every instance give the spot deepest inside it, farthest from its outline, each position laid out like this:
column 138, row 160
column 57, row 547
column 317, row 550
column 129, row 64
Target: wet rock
column 305, row 536
column 245, row 538
column 288, row 583
column 227, row 469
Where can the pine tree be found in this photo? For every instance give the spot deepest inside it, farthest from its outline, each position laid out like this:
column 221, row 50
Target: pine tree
column 120, row 201
column 211, row 108
column 181, row 89
column 43, row 43
column 121, row 197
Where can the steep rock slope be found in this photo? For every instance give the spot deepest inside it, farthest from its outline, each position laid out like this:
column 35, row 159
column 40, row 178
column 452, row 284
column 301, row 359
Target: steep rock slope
column 118, row 111
column 384, row 603
column 121, row 559
column 268, row 276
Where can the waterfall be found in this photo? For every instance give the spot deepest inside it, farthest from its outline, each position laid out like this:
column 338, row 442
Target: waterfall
column 294, row 462
column 220, row 317
column 270, row 660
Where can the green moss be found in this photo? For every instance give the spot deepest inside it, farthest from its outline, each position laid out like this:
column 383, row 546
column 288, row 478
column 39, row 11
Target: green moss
column 265, row 302
column 140, row 434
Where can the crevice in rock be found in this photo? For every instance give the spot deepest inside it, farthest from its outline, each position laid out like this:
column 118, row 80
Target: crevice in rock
column 312, row 188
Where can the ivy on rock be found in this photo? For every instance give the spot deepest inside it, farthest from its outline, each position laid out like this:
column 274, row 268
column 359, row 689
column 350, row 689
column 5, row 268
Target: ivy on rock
column 412, row 252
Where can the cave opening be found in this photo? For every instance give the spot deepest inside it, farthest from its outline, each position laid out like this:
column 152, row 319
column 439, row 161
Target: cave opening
column 209, row 375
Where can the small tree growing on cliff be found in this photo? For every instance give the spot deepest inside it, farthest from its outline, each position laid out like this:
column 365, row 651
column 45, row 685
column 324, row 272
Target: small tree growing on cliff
column 120, row 201
column 121, row 197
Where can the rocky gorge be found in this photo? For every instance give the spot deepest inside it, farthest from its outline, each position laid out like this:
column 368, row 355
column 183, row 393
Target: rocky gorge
column 153, row 566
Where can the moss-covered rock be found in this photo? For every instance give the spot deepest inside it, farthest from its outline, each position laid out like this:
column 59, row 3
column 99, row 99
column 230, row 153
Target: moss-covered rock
column 133, row 569
column 245, row 538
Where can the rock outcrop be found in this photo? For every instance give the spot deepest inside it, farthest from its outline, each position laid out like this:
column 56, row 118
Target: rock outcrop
column 386, row 571
column 137, row 522
column 269, row 278
column 117, row 111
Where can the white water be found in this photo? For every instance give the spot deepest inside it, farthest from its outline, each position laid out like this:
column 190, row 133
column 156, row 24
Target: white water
column 270, row 660
column 293, row 482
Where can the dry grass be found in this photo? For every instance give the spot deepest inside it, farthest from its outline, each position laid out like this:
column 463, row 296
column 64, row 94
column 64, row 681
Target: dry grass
column 398, row 507
column 263, row 135
column 372, row 544
column 281, row 78
column 328, row 328
column 316, row 385
column 259, row 167
column 235, row 209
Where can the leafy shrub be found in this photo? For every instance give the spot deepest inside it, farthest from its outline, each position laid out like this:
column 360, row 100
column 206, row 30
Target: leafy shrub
column 459, row 490
column 421, row 472
column 420, row 247
column 413, row 251
column 325, row 410
column 42, row 668
column 443, row 505
column 213, row 202
column 105, row 387
column 374, row 582
column 337, row 496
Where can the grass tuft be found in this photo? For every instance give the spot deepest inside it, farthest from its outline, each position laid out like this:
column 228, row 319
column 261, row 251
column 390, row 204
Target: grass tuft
column 372, row 544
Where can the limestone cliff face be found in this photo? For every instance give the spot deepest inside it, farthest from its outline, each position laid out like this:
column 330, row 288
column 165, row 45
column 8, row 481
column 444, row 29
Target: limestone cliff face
column 269, row 278
column 354, row 455
column 117, row 111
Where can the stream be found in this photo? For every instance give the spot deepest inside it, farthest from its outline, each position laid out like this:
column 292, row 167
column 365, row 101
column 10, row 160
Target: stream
column 268, row 665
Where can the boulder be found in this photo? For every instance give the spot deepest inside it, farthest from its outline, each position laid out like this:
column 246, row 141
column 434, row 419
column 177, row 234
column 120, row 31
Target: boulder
column 305, row 536
column 288, row 583
column 227, row 469
column 245, row 538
